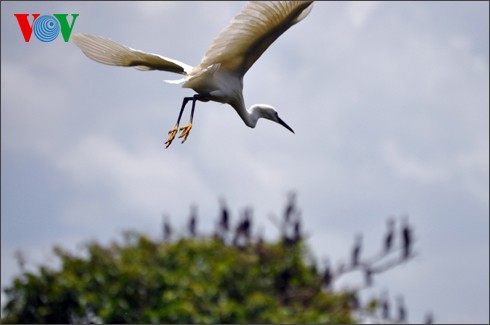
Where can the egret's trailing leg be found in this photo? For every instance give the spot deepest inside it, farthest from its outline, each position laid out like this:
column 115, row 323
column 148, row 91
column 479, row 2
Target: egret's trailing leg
column 173, row 132
column 187, row 128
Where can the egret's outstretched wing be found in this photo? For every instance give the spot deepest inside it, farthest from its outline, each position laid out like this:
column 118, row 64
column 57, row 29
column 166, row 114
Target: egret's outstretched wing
column 251, row 32
column 105, row 51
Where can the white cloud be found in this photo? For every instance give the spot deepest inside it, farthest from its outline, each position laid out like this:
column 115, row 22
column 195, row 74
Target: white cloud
column 360, row 12
column 409, row 166
column 34, row 103
column 142, row 181
column 464, row 170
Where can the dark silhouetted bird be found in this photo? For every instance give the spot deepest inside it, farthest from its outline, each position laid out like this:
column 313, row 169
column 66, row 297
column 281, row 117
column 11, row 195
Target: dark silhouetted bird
column 429, row 318
column 388, row 244
column 385, row 306
column 193, row 222
column 402, row 312
column 290, row 208
column 356, row 251
column 243, row 229
column 224, row 220
column 247, row 220
column 327, row 277
column 297, row 231
column 167, row 230
column 406, row 239
column 368, row 277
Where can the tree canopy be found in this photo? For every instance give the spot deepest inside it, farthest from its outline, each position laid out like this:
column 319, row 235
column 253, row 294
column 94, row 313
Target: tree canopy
column 186, row 281
column 231, row 276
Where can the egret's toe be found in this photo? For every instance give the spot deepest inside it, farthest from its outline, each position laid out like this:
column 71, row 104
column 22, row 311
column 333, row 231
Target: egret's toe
column 184, row 131
column 171, row 136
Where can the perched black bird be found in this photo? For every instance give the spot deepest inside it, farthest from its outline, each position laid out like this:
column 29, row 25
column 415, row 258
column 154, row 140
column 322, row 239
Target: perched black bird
column 224, row 221
column 247, row 220
column 327, row 278
column 290, row 208
column 388, row 244
column 356, row 251
column 193, row 222
column 243, row 228
column 429, row 318
column 297, row 231
column 407, row 239
column 385, row 307
column 167, row 230
column 289, row 219
column 402, row 313
column 368, row 277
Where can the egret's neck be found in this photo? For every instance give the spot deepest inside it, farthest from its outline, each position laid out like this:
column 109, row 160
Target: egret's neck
column 249, row 116
column 253, row 113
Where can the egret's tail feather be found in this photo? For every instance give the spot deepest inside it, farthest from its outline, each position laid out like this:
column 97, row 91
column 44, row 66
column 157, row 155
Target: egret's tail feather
column 176, row 82
column 105, row 51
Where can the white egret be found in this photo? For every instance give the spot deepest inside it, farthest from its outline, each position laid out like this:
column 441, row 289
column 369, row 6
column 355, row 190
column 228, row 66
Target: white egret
column 219, row 76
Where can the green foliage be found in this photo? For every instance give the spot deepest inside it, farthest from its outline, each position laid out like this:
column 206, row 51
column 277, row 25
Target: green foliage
column 186, row 281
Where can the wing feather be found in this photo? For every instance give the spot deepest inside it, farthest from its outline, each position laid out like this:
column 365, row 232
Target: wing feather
column 251, row 32
column 105, row 51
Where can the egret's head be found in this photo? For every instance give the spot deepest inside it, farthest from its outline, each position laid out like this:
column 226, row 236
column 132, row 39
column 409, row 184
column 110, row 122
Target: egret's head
column 268, row 112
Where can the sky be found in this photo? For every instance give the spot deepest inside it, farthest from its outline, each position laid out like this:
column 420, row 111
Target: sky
column 389, row 102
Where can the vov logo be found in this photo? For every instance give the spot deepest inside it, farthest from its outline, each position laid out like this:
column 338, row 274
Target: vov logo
column 46, row 28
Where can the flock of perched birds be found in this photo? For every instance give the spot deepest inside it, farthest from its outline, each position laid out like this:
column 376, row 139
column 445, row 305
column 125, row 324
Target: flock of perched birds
column 393, row 251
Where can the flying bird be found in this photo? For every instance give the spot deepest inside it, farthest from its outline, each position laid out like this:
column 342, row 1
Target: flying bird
column 219, row 76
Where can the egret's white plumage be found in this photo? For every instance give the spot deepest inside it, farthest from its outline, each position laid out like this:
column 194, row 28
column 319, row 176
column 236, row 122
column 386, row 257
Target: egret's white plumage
column 219, row 76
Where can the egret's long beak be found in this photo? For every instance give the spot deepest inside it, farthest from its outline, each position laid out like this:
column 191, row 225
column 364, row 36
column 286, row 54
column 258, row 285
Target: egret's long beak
column 284, row 124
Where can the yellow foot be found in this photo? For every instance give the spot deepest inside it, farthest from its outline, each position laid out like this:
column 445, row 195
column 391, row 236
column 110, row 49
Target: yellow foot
column 184, row 131
column 171, row 136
